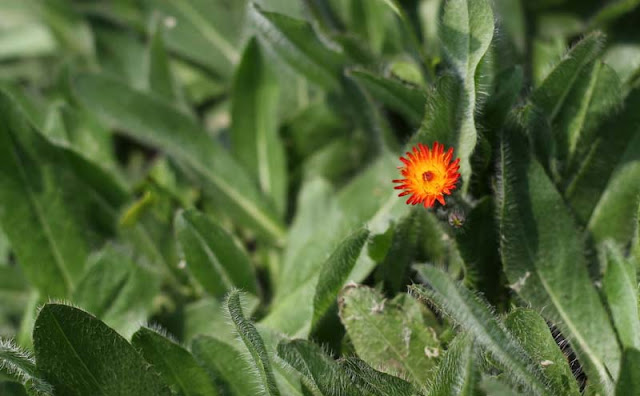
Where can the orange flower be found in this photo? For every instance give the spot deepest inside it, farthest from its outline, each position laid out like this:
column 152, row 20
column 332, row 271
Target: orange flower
column 428, row 174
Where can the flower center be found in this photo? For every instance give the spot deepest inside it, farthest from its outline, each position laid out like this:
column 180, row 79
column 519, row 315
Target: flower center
column 427, row 176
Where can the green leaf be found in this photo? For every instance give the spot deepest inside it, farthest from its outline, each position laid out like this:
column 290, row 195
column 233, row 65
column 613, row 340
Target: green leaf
column 20, row 366
column 176, row 365
column 540, row 245
column 335, row 271
column 255, row 345
column 466, row 31
column 161, row 80
column 298, row 45
column 151, row 121
column 595, row 95
column 216, row 259
column 399, row 96
column 620, row 287
column 475, row 317
column 319, row 372
column 612, row 11
column 80, row 355
column 207, row 317
column 254, row 120
column 553, row 91
column 388, row 336
column 495, row 387
column 375, row 382
column 629, row 381
column 225, row 363
column 41, row 196
column 458, row 372
column 205, row 32
column 531, row 330
column 117, row 290
column 403, row 250
column 607, row 152
column 613, row 217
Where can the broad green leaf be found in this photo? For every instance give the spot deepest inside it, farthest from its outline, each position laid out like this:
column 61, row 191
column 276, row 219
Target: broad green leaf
column 20, row 366
column 607, row 152
column 117, row 290
column 254, row 124
column 476, row 318
column 553, row 91
column 594, row 96
column 41, row 196
column 466, row 30
column 297, row 44
column 613, row 216
column 151, row 121
column 335, row 271
column 174, row 363
column 387, row 336
column 629, row 382
column 225, row 363
column 376, row 382
column 319, row 372
column 216, row 259
column 205, row 32
column 399, row 96
column 533, row 333
column 80, row 355
column 509, row 83
column 540, row 245
column 254, row 343
column 458, row 372
column 635, row 243
column 620, row 287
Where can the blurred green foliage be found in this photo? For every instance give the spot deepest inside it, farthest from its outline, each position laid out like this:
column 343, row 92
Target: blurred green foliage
column 196, row 197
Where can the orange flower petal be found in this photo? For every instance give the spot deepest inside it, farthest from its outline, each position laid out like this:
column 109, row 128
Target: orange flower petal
column 428, row 174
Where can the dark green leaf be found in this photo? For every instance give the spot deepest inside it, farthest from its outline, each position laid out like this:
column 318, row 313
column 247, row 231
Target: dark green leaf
column 252, row 340
column 399, row 96
column 540, row 245
column 613, row 217
column 319, row 371
column 216, row 259
column 205, row 32
column 552, row 93
column 176, row 365
column 629, row 381
column 376, row 382
column 475, row 317
column 534, row 335
column 80, row 355
column 254, row 120
column 153, row 122
column 298, row 44
column 335, row 271
column 620, row 287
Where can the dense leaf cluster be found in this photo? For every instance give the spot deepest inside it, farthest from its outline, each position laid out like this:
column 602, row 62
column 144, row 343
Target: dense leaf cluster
column 196, row 197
